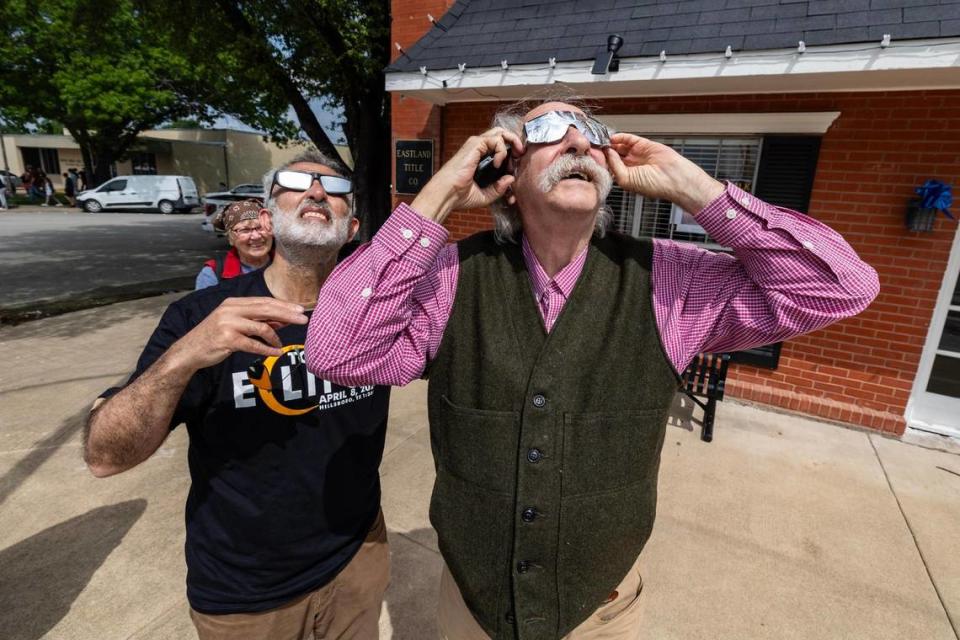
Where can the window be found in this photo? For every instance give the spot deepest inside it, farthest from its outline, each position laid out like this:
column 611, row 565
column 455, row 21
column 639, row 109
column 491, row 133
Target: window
column 48, row 160
column 114, row 185
column 144, row 164
column 728, row 158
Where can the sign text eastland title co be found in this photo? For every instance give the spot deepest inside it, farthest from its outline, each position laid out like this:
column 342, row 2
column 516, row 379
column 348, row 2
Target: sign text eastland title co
column 414, row 159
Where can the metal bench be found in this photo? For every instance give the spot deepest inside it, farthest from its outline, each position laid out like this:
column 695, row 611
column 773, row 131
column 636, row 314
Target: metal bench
column 705, row 377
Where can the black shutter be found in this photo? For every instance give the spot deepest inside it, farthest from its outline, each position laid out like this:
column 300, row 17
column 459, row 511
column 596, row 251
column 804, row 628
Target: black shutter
column 788, row 165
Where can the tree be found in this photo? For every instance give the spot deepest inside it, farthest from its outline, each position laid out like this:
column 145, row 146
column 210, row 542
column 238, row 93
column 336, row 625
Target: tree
column 109, row 69
column 265, row 57
column 97, row 67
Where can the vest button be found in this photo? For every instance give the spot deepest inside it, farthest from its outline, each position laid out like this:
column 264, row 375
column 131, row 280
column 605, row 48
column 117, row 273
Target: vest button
column 539, row 401
column 523, row 566
column 534, row 455
column 509, row 617
column 529, row 514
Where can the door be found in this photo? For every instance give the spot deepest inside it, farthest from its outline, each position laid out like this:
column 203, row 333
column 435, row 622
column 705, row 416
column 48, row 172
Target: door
column 113, row 193
column 935, row 401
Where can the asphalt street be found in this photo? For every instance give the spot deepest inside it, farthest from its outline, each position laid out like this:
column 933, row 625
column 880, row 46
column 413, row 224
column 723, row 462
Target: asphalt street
column 51, row 256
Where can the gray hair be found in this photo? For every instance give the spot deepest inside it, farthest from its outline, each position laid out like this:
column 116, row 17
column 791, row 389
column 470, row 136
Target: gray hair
column 507, row 223
column 313, row 156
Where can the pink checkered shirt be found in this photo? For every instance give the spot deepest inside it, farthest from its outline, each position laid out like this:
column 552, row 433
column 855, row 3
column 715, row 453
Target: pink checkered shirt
column 381, row 314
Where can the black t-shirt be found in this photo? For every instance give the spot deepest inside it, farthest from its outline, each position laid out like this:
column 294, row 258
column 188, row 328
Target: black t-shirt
column 285, row 482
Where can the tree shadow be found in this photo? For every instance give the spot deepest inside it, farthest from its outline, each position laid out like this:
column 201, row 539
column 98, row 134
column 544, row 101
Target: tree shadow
column 44, row 574
column 40, row 452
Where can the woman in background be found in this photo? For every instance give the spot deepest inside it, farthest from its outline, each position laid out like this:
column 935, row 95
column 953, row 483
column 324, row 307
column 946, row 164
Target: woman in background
column 251, row 246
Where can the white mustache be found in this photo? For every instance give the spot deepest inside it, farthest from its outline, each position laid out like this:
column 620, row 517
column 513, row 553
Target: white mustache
column 567, row 164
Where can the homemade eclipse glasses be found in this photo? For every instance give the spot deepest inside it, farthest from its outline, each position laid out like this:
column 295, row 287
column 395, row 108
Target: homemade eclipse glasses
column 552, row 126
column 301, row 181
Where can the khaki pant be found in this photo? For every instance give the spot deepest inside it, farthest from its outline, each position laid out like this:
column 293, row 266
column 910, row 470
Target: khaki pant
column 616, row 619
column 346, row 607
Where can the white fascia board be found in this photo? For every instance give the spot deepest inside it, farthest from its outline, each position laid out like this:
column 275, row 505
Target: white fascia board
column 43, row 140
column 810, row 123
column 909, row 64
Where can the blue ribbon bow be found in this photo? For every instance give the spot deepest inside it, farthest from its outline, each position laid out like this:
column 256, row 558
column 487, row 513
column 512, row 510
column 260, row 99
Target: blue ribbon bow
column 935, row 195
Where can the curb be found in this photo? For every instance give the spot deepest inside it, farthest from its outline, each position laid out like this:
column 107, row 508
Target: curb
column 99, row 297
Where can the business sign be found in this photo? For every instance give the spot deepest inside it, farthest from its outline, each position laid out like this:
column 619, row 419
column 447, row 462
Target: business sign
column 414, row 165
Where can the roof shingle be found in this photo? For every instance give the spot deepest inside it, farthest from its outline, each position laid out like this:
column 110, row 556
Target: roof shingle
column 532, row 31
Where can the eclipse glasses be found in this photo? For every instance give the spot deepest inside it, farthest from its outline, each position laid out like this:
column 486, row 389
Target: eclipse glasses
column 302, row 180
column 552, row 126
column 547, row 128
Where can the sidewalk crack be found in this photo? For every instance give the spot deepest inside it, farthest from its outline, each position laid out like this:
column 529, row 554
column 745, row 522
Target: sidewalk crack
column 406, row 537
column 906, row 520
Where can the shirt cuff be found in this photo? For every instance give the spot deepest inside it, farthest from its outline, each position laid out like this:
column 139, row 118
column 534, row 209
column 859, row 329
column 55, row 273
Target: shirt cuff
column 733, row 214
column 409, row 236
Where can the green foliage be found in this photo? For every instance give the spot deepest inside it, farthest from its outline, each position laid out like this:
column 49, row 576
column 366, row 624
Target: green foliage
column 109, row 69
column 97, row 67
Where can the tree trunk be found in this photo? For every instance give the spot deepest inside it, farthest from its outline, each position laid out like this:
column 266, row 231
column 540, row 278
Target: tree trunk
column 369, row 140
column 82, row 137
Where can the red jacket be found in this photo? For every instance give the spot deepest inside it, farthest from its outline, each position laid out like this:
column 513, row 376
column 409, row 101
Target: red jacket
column 229, row 267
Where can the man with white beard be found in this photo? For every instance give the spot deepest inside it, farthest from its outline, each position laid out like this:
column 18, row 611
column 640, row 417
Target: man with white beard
column 285, row 537
column 553, row 350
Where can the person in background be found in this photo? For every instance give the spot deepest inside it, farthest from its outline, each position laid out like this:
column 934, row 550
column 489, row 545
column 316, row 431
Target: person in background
column 26, row 178
column 251, row 244
column 3, row 192
column 76, row 180
column 49, row 196
column 83, row 180
column 70, row 189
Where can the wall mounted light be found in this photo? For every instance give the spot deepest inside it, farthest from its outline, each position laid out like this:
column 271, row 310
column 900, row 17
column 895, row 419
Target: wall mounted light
column 608, row 60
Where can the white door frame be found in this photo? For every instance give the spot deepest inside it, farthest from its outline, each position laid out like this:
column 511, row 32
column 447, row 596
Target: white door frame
column 930, row 411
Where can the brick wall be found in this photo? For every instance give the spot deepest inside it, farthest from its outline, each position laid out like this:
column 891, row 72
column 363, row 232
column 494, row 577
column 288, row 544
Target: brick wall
column 414, row 119
column 861, row 370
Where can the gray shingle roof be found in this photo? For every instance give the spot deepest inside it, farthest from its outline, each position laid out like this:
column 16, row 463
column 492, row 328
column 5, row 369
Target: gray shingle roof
column 484, row 32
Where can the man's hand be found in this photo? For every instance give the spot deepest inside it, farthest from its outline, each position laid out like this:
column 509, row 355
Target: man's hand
column 238, row 324
column 657, row 171
column 126, row 429
column 453, row 186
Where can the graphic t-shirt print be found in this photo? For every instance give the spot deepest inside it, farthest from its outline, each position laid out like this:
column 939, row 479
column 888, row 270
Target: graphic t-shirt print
column 285, row 386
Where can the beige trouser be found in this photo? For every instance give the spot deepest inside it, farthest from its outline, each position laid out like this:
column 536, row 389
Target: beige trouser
column 346, row 607
column 616, row 619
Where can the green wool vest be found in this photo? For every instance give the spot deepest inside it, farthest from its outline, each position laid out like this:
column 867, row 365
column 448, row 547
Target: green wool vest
column 546, row 446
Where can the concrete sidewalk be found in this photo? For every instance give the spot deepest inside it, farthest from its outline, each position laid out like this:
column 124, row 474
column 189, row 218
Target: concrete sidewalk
column 781, row 528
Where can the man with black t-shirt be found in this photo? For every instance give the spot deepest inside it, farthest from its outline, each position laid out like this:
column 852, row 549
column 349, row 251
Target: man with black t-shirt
column 285, row 537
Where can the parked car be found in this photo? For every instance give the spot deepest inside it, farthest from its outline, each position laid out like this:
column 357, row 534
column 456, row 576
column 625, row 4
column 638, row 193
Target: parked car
column 213, row 203
column 165, row 194
column 12, row 181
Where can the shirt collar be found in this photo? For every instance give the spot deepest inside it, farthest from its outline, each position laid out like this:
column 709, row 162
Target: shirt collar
column 565, row 279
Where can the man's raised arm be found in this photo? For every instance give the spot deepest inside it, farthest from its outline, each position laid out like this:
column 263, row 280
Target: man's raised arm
column 382, row 312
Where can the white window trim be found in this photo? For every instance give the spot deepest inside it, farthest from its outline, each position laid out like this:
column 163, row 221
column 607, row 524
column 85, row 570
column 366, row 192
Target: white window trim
column 722, row 124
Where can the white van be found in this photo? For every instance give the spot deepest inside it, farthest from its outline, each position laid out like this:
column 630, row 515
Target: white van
column 165, row 194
